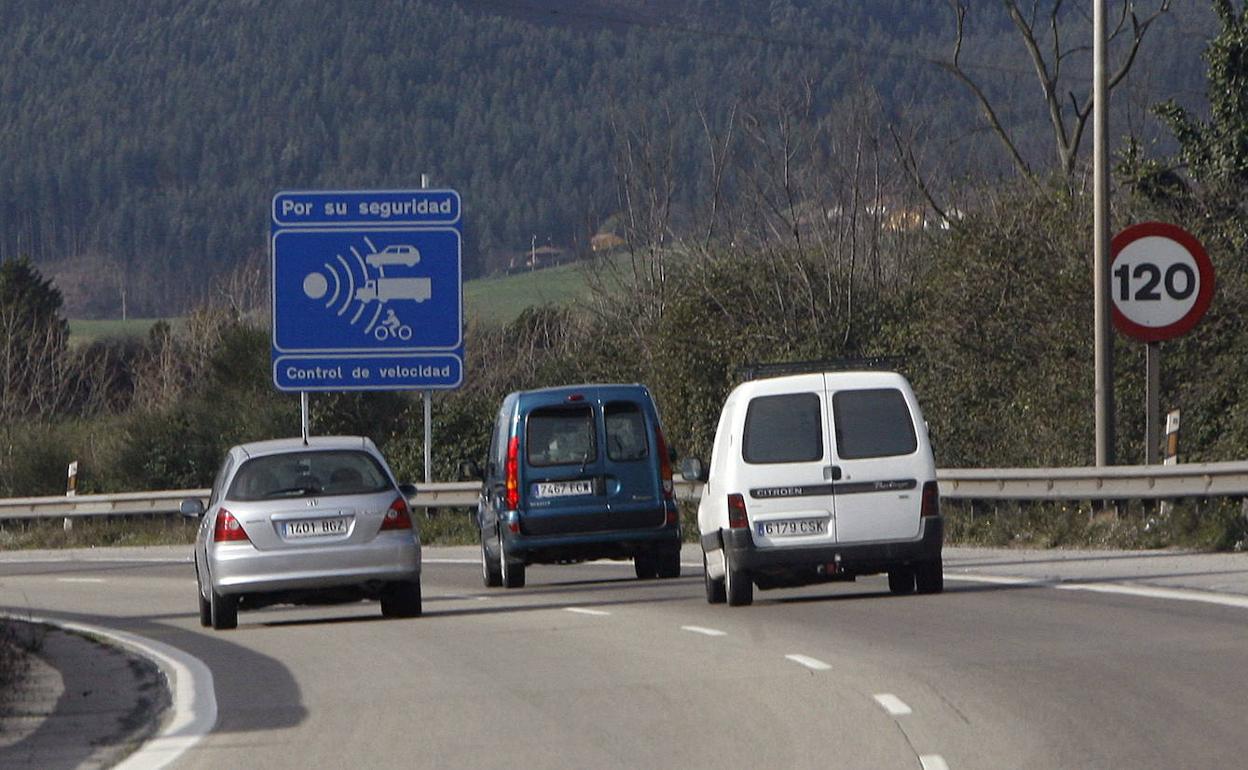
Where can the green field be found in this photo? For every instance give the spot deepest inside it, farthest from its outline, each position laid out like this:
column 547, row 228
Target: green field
column 492, row 300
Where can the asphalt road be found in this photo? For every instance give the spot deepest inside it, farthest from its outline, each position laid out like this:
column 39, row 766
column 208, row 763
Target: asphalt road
column 588, row 667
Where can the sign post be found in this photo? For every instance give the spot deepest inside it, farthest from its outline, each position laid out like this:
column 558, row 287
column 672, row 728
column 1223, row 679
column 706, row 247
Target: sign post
column 367, row 291
column 1161, row 285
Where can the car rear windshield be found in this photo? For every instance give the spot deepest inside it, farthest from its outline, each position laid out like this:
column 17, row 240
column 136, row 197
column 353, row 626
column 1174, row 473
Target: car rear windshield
column 626, row 431
column 783, row 429
column 872, row 423
column 561, row 436
column 308, row 474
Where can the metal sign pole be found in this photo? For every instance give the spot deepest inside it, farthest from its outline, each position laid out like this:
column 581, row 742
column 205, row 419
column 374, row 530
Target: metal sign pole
column 426, row 398
column 1152, row 402
column 1104, row 340
column 303, row 414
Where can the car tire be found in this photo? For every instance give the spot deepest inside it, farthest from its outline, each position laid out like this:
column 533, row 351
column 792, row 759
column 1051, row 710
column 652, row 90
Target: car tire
column 401, row 600
column 715, row 593
column 491, row 569
column 668, row 562
column 901, row 581
column 929, row 577
column 223, row 611
column 645, row 565
column 512, row 570
column 205, row 606
column 738, row 588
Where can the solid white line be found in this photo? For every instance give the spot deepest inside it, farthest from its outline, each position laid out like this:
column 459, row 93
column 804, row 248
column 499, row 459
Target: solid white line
column 1171, row 594
column 703, row 631
column 426, row 560
column 933, row 762
column 194, row 698
column 583, row 611
column 892, row 704
column 80, row 580
column 811, row 663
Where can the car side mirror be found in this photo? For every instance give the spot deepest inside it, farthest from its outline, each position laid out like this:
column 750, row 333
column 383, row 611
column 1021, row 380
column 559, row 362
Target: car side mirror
column 407, row 490
column 192, row 508
column 692, row 469
column 471, row 470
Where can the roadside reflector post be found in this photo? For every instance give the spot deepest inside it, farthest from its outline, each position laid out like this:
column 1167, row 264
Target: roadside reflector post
column 71, row 490
column 1172, row 457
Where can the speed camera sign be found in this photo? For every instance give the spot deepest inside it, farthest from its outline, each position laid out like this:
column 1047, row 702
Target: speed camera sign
column 1161, row 281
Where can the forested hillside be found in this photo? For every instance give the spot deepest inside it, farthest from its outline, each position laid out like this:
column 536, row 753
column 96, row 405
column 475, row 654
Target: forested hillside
column 143, row 141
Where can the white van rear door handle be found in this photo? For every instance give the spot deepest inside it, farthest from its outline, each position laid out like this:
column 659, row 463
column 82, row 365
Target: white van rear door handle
column 832, row 473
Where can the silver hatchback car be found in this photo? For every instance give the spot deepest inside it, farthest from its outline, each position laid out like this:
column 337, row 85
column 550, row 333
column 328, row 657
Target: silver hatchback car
column 305, row 523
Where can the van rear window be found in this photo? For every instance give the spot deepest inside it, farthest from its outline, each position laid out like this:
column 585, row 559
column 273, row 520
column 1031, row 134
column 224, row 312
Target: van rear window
column 783, row 429
column 872, row 423
column 626, row 431
column 561, row 436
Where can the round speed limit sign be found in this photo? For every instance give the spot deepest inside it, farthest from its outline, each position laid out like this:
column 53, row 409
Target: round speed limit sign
column 1161, row 281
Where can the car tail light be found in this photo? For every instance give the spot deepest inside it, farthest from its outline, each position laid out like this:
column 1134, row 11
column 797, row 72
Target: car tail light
column 931, row 499
column 513, row 473
column 736, row 512
column 398, row 516
column 228, row 530
column 665, row 464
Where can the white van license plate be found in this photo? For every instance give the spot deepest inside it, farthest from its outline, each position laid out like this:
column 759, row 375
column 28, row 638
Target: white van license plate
column 563, row 488
column 792, row 527
column 293, row 530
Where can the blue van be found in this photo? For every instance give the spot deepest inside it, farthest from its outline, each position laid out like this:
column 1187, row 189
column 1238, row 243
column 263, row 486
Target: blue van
column 577, row 473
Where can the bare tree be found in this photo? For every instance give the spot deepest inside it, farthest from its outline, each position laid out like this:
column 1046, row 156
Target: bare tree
column 1041, row 32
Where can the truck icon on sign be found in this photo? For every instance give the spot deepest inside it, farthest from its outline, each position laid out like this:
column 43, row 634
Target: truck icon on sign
column 386, row 289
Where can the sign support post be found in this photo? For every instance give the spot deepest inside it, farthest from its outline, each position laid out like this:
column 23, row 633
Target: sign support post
column 304, row 417
column 1152, row 402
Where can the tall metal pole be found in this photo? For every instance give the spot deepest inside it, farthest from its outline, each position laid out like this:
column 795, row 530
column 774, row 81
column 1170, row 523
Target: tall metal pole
column 304, row 417
column 1100, row 224
column 426, row 397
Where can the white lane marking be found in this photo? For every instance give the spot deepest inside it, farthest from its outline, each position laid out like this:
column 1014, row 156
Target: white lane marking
column 704, row 631
column 584, row 611
column 427, row 560
column 80, row 580
column 194, row 698
column 811, row 663
column 933, row 762
column 1172, row 594
column 892, row 704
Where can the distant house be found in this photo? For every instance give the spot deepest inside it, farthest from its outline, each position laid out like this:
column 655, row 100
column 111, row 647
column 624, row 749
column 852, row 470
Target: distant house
column 604, row 242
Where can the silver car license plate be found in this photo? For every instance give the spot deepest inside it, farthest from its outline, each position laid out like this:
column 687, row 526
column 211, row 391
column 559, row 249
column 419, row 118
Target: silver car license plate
column 301, row 528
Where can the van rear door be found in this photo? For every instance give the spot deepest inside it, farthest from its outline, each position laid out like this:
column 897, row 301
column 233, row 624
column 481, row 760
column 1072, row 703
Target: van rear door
column 563, row 467
column 786, row 469
column 876, row 447
column 631, row 480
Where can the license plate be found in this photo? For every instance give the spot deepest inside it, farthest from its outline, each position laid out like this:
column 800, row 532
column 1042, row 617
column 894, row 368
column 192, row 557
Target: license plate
column 563, row 488
column 293, row 530
column 792, row 527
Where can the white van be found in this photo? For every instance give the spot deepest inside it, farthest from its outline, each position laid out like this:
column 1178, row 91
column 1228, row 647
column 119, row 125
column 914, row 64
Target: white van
column 816, row 477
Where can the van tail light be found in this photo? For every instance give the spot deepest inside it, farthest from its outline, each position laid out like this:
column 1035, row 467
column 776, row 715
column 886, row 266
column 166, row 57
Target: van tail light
column 665, row 465
column 398, row 515
column 513, row 473
column 228, row 530
column 931, row 499
column 736, row 512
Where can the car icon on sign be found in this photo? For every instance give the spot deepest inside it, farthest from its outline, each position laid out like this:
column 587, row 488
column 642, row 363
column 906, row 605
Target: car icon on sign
column 394, row 254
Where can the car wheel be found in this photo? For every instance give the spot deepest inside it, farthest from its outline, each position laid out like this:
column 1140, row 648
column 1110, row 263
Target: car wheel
column 401, row 600
column 512, row 570
column 645, row 565
column 668, row 562
column 929, row 577
column 738, row 588
column 205, row 606
column 901, row 580
column 223, row 610
column 491, row 570
column 715, row 593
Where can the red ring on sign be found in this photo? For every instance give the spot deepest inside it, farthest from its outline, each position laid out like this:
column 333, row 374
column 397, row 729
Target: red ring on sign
column 1203, row 266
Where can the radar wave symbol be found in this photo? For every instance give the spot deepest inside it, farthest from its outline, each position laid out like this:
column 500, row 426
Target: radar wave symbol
column 335, row 285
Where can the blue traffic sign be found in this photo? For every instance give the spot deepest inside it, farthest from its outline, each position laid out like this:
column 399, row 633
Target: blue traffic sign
column 367, row 290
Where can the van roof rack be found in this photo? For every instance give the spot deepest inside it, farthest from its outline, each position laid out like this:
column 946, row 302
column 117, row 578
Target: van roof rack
column 780, row 369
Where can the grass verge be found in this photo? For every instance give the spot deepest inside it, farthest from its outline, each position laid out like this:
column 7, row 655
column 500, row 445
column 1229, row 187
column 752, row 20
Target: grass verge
column 90, row 533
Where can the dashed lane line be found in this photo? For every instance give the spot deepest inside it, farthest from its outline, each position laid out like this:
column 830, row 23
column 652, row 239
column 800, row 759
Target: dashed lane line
column 80, row 580
column 812, row 663
column 704, row 631
column 933, row 762
column 892, row 704
column 585, row 611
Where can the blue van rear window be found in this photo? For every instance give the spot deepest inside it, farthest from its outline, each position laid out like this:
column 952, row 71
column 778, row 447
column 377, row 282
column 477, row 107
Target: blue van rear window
column 626, row 431
column 561, row 436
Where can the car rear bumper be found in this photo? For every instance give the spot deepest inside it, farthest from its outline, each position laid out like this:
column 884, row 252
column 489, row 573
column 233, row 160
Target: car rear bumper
column 851, row 558
column 611, row 544
column 242, row 569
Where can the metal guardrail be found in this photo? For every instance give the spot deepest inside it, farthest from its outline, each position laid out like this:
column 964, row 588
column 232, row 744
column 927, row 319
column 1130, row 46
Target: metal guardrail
column 1119, row 482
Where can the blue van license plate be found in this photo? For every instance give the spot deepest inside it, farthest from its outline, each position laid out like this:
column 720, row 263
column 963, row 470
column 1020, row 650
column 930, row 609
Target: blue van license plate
column 563, row 488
